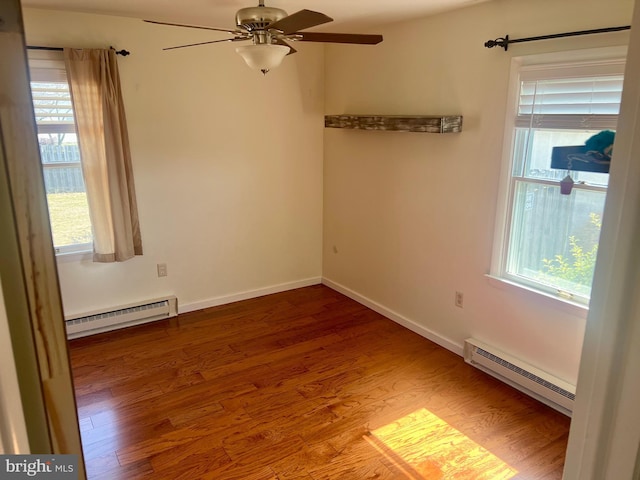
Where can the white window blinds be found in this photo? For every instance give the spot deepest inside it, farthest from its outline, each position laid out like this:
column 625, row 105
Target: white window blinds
column 570, row 102
column 50, row 93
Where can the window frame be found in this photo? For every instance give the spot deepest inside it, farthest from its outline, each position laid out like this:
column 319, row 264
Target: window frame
column 48, row 66
column 610, row 61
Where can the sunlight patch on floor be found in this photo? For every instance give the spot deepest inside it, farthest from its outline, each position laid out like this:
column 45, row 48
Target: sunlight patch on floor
column 423, row 446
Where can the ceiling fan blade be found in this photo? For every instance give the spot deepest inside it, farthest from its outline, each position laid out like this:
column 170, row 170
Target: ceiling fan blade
column 279, row 41
column 300, row 21
column 235, row 39
column 233, row 32
column 360, row 39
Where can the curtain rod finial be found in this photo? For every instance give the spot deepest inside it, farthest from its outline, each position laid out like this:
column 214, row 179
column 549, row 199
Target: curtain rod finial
column 498, row 42
column 124, row 53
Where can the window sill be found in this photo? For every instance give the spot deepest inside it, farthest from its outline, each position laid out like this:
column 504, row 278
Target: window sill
column 78, row 256
column 573, row 308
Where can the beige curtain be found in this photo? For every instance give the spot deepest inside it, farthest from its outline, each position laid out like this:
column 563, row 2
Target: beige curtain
column 104, row 148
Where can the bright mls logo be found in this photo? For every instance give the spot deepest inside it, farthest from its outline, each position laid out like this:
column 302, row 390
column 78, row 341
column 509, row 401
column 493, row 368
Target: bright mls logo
column 50, row 467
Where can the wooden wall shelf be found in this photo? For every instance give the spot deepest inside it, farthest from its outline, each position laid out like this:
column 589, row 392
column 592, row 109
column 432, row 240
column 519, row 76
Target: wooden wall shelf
column 397, row 123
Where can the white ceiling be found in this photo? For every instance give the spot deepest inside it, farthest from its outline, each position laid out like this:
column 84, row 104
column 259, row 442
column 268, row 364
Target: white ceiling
column 348, row 15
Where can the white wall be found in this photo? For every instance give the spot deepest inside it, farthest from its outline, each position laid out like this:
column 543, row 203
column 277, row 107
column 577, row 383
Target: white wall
column 411, row 216
column 227, row 164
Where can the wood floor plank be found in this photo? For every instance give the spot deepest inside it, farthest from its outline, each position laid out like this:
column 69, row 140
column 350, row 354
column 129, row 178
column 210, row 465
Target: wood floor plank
column 197, row 456
column 213, row 427
column 106, row 439
column 140, row 471
column 358, row 460
column 295, row 467
column 301, row 385
column 237, row 471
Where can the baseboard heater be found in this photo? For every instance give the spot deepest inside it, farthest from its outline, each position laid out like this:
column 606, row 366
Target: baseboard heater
column 120, row 317
column 540, row 385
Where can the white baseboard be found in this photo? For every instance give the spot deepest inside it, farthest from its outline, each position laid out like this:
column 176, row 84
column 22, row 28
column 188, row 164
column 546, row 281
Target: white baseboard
column 396, row 317
column 236, row 297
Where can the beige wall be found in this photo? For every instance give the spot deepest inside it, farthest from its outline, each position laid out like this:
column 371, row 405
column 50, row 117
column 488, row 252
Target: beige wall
column 412, row 216
column 227, row 163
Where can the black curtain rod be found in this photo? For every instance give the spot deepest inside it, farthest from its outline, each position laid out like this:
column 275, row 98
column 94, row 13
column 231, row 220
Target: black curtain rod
column 124, row 53
column 505, row 41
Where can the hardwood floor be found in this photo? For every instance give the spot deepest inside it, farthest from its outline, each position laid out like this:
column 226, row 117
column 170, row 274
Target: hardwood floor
column 305, row 384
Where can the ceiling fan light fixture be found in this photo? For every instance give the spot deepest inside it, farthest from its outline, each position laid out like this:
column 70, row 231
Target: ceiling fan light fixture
column 263, row 57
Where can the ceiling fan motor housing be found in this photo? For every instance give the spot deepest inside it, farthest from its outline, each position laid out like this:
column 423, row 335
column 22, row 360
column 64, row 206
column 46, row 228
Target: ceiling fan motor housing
column 258, row 18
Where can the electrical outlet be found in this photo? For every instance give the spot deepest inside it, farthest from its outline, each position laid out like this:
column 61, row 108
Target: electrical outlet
column 459, row 299
column 162, row 269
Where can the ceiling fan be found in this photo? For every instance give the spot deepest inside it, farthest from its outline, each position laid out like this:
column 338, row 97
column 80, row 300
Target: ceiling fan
column 270, row 28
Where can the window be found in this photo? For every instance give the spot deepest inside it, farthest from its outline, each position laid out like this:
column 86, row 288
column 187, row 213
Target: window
column 59, row 152
column 549, row 241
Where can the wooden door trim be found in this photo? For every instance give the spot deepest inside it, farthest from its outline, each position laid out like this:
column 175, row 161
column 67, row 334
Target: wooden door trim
column 29, row 275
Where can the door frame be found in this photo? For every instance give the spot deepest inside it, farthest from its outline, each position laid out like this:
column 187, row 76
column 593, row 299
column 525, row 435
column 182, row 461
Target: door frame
column 28, row 271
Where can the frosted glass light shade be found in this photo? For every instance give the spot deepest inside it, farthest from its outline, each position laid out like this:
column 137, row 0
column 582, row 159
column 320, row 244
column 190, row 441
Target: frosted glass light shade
column 263, row 57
